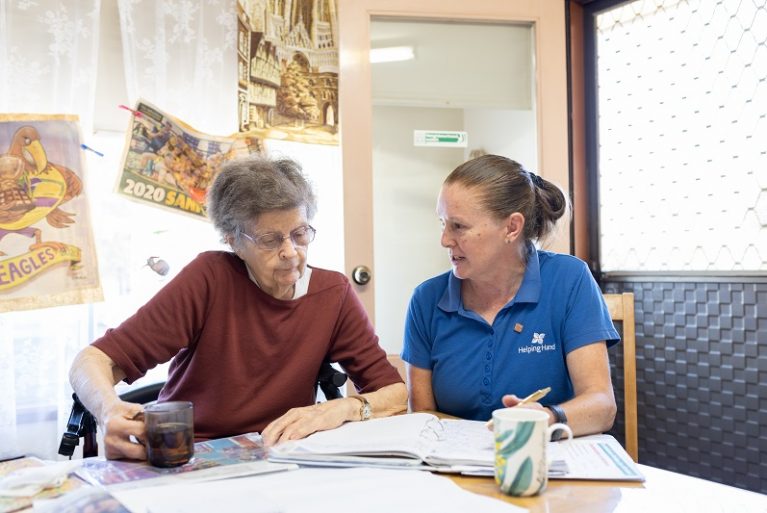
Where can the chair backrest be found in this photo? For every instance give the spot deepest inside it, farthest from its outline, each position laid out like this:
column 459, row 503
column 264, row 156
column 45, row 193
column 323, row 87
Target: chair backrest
column 621, row 307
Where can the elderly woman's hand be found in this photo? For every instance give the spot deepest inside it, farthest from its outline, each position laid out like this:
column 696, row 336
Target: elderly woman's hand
column 120, row 421
column 301, row 422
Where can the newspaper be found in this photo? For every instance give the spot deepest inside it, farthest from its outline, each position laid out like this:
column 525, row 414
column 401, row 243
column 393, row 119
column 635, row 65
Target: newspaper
column 221, row 458
column 11, row 503
column 168, row 164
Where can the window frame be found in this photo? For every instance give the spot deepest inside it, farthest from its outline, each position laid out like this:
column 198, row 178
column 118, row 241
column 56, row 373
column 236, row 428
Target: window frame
column 590, row 123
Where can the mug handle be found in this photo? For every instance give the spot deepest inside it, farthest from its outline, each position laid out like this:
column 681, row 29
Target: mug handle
column 564, row 427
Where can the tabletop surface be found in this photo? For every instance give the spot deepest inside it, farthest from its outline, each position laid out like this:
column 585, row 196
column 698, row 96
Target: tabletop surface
column 662, row 491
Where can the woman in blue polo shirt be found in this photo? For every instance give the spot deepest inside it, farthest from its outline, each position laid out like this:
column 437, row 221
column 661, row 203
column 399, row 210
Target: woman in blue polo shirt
column 508, row 319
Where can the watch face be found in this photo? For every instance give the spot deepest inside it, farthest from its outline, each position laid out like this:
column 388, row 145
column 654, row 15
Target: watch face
column 367, row 411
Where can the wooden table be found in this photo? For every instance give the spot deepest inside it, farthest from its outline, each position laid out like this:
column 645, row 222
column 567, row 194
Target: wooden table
column 663, row 491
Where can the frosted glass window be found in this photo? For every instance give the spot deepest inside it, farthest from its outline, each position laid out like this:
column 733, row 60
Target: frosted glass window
column 682, row 100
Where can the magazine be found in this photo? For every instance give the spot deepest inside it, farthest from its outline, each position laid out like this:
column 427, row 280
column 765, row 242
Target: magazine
column 222, row 458
column 423, row 441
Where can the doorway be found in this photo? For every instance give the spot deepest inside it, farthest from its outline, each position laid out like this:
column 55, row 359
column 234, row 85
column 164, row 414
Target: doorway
column 469, row 78
column 390, row 184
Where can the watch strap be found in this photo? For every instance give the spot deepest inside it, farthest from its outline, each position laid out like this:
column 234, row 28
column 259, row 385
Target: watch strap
column 366, row 411
column 559, row 413
column 559, row 417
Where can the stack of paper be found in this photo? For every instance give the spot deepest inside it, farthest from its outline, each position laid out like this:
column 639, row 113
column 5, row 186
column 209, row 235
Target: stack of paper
column 423, row 441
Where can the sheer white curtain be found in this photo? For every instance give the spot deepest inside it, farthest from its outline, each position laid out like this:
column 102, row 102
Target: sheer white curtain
column 48, row 56
column 181, row 56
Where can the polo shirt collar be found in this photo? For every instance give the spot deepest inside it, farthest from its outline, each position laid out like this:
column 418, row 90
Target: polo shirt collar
column 529, row 291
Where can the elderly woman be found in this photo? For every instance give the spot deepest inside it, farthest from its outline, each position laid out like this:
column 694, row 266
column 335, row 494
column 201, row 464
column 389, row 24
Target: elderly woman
column 509, row 319
column 247, row 330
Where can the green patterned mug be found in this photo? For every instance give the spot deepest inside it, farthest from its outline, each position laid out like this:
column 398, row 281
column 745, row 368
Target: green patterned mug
column 521, row 436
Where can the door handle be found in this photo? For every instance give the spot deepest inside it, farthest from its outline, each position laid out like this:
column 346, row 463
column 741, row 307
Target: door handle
column 361, row 275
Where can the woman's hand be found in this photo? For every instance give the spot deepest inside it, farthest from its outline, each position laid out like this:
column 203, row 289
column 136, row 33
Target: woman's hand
column 301, row 422
column 511, row 400
column 120, row 421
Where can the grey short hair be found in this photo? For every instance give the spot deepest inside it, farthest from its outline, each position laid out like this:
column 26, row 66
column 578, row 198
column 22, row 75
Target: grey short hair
column 247, row 187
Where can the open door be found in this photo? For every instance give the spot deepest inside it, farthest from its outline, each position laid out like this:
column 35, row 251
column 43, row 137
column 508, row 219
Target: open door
column 359, row 21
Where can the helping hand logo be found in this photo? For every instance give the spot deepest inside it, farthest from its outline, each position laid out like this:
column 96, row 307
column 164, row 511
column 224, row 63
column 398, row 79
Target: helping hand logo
column 537, row 345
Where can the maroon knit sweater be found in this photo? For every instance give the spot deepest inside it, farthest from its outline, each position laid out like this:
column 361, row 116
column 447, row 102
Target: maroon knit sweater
column 241, row 356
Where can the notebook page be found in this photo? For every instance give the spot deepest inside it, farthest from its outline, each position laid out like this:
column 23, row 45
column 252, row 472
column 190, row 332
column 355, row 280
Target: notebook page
column 463, row 442
column 401, row 435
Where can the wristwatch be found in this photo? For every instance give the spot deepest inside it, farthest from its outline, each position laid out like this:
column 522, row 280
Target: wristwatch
column 366, row 411
column 559, row 413
column 559, row 417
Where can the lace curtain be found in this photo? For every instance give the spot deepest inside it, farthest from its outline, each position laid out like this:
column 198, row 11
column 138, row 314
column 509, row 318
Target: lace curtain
column 180, row 55
column 48, row 57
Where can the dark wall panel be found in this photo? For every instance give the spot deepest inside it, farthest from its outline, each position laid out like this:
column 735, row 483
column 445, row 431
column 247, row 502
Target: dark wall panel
column 701, row 379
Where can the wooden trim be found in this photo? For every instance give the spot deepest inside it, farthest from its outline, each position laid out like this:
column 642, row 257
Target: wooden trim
column 621, row 308
column 580, row 195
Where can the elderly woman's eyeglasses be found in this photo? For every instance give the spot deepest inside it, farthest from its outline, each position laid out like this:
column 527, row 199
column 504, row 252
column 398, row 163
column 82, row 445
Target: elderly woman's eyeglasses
column 301, row 236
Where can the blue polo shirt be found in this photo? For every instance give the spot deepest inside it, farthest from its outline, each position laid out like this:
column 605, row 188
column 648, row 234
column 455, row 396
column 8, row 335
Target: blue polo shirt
column 557, row 309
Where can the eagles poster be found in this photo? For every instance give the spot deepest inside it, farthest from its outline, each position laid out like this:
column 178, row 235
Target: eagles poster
column 47, row 255
column 287, row 59
column 168, row 164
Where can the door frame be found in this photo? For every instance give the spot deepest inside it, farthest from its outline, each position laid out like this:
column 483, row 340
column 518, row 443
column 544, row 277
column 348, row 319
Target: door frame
column 356, row 106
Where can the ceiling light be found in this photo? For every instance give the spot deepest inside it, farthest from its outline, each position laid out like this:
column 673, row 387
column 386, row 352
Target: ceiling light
column 391, row 54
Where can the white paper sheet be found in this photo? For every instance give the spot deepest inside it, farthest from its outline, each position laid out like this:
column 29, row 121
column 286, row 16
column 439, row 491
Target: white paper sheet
column 591, row 457
column 318, row 491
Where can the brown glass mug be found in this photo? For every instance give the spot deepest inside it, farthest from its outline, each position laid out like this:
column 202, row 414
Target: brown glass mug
column 169, row 433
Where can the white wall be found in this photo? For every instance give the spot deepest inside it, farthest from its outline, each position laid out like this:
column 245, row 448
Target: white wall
column 406, row 181
column 511, row 133
column 455, row 65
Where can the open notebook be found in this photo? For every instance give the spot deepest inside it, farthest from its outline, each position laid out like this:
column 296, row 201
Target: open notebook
column 422, row 440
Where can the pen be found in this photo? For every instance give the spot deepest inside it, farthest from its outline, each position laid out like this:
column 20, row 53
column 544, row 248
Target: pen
column 534, row 397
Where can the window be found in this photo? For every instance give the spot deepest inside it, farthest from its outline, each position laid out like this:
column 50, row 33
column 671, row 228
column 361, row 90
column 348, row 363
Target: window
column 682, row 102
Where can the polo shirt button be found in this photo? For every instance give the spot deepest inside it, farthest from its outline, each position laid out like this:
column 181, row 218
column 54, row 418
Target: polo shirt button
column 487, row 368
column 488, row 355
column 485, row 381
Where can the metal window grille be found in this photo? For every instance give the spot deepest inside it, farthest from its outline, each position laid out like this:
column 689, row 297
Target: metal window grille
column 682, row 101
